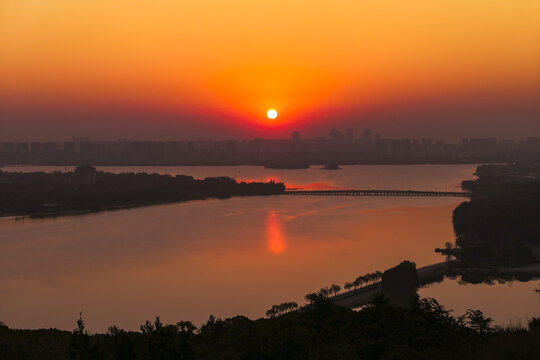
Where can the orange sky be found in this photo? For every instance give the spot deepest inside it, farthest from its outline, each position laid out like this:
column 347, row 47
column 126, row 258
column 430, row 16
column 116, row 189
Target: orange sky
column 131, row 68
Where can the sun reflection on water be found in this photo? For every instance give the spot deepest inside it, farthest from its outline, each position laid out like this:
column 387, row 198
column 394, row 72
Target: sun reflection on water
column 274, row 233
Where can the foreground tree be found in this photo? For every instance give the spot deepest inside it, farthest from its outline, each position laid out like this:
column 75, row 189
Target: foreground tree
column 476, row 320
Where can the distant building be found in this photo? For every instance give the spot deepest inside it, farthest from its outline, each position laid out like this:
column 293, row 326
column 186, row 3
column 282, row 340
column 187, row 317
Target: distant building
column 368, row 134
column 230, row 146
column 50, row 149
column 36, row 148
column 382, row 146
column 482, row 145
column 22, row 148
column 336, row 135
column 8, row 148
column 341, row 147
column 532, row 140
column 426, row 144
column 69, row 147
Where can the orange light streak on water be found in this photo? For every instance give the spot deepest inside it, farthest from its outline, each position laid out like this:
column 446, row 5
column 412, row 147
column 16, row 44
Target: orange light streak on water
column 274, row 234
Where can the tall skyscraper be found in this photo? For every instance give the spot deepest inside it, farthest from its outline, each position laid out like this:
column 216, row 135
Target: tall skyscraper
column 368, row 134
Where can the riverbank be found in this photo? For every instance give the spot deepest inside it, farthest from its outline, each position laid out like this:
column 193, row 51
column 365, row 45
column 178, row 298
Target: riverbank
column 491, row 274
column 86, row 190
column 499, row 226
column 47, row 214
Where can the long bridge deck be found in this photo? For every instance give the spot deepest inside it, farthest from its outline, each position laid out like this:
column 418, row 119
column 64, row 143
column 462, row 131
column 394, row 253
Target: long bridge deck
column 353, row 192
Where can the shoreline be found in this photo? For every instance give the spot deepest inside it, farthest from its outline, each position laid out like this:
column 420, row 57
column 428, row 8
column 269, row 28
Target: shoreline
column 475, row 274
column 86, row 190
column 41, row 215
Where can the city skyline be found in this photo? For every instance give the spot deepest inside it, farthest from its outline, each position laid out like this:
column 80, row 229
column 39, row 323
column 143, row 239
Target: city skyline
column 345, row 133
column 339, row 147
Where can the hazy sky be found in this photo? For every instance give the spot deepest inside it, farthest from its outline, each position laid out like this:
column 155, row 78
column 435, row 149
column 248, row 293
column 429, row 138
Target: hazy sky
column 209, row 69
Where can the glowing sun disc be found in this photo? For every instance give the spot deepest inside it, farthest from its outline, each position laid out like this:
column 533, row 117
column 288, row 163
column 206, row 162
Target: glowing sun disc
column 271, row 114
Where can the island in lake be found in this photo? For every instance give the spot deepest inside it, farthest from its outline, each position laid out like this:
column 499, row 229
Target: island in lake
column 332, row 166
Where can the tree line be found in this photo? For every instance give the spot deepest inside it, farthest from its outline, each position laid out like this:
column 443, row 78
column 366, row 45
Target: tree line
column 500, row 224
column 317, row 330
column 86, row 189
column 364, row 280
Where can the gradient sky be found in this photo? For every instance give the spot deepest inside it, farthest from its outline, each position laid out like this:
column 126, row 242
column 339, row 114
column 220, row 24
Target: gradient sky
column 210, row 69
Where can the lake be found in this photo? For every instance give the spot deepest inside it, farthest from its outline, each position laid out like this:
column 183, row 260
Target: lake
column 185, row 261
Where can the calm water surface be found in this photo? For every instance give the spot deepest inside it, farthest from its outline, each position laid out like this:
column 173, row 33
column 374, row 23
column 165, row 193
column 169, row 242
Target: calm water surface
column 186, row 261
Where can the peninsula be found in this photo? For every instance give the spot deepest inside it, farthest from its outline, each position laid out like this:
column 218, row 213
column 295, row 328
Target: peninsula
column 87, row 190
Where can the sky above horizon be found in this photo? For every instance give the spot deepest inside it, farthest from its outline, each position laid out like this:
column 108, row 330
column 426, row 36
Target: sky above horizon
column 210, row 69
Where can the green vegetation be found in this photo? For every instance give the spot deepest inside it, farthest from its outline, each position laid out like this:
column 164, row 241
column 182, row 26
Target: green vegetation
column 400, row 283
column 324, row 293
column 86, row 189
column 280, row 309
column 501, row 223
column 318, row 330
column 364, row 280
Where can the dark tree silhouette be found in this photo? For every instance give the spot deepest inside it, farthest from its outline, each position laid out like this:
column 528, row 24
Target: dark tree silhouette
column 477, row 321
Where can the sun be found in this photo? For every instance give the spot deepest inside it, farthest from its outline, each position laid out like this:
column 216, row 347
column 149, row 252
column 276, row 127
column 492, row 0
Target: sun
column 271, row 114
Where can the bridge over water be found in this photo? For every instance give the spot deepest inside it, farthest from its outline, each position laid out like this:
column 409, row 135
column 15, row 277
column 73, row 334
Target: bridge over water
column 352, row 192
